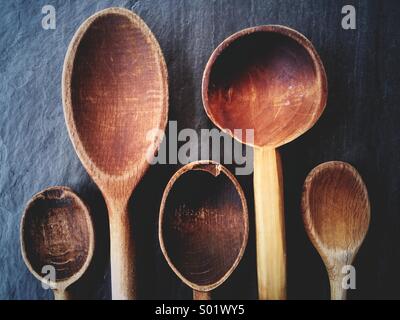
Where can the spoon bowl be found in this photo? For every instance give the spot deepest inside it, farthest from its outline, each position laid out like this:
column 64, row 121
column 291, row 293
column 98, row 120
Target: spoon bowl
column 336, row 214
column 115, row 94
column 203, row 225
column 269, row 79
column 57, row 232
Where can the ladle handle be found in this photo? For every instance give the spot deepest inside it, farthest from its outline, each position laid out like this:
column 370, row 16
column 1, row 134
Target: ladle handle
column 270, row 224
column 122, row 253
column 201, row 295
column 62, row 294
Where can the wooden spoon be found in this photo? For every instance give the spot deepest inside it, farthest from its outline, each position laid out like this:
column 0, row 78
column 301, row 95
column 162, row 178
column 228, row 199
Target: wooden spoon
column 115, row 91
column 203, row 225
column 336, row 214
column 270, row 79
column 57, row 231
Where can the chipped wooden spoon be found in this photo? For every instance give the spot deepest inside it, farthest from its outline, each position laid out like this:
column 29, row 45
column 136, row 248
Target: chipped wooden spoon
column 115, row 93
column 270, row 79
column 336, row 214
column 57, row 232
column 203, row 225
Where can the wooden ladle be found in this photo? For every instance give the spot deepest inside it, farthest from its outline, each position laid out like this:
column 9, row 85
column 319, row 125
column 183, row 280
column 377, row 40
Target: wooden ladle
column 115, row 93
column 203, row 225
column 270, row 79
column 336, row 214
column 57, row 232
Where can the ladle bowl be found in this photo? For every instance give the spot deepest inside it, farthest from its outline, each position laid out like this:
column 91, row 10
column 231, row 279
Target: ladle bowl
column 203, row 225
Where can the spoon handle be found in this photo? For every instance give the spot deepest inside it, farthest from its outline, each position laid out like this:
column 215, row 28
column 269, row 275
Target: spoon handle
column 122, row 253
column 201, row 295
column 270, row 224
column 335, row 267
column 61, row 294
column 337, row 291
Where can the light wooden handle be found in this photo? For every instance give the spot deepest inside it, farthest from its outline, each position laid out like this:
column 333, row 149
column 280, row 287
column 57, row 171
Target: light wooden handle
column 62, row 295
column 336, row 265
column 201, row 295
column 122, row 254
column 337, row 291
column 270, row 225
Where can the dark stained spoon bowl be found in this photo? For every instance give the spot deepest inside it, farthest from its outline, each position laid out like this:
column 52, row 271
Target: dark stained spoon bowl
column 203, row 225
column 115, row 94
column 57, row 238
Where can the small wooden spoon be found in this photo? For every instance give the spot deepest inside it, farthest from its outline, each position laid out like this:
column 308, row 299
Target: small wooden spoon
column 115, row 93
column 336, row 214
column 270, row 79
column 203, row 225
column 57, row 231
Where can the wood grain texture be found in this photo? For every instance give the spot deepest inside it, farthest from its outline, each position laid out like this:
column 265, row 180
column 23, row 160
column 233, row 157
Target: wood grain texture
column 336, row 214
column 266, row 78
column 56, row 230
column 115, row 91
column 359, row 126
column 270, row 224
column 201, row 295
column 269, row 79
column 203, row 225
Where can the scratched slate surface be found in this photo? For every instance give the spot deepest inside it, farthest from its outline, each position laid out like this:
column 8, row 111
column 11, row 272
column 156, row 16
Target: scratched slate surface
column 360, row 125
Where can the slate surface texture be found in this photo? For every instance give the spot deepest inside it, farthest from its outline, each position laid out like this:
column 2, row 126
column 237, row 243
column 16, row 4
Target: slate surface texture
column 360, row 126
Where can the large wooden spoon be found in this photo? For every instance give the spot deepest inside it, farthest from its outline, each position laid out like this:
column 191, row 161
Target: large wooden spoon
column 270, row 79
column 336, row 214
column 115, row 91
column 203, row 225
column 57, row 232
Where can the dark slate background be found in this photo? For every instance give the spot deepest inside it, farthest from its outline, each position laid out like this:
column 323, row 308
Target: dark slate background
column 360, row 125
